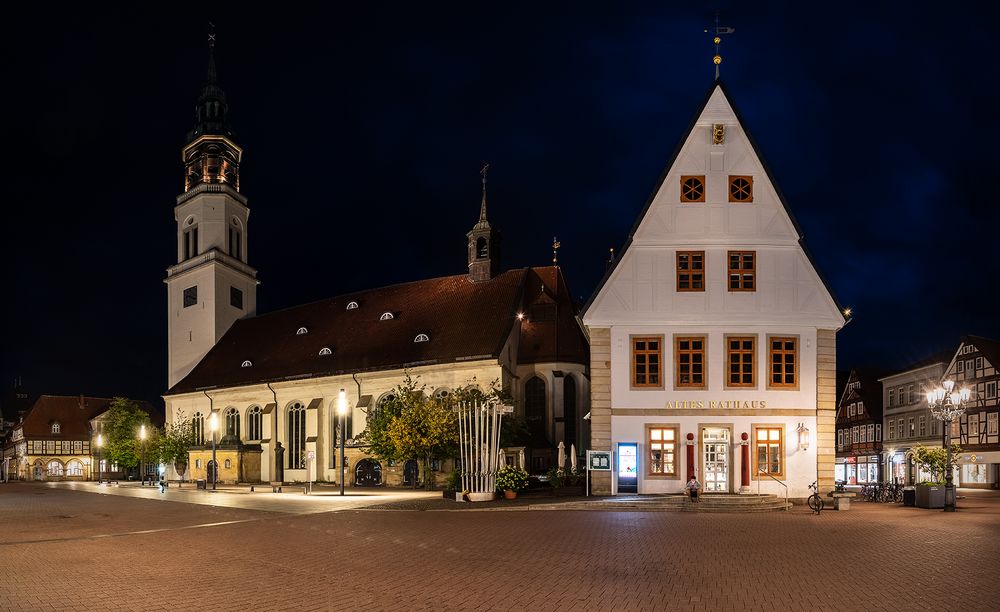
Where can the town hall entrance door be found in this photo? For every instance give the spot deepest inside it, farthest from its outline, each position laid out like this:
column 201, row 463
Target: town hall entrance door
column 715, row 441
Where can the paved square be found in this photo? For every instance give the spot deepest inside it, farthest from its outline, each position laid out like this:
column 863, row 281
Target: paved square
column 76, row 550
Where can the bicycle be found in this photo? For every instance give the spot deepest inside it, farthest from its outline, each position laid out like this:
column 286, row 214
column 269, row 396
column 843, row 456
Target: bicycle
column 815, row 501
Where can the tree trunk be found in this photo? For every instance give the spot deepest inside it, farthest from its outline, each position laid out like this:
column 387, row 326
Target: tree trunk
column 427, row 473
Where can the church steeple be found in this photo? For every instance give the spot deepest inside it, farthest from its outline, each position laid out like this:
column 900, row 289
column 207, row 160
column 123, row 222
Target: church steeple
column 484, row 243
column 211, row 156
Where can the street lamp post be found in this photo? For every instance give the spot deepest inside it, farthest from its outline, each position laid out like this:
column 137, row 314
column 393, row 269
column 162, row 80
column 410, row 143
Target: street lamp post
column 100, row 443
column 142, row 455
column 213, row 423
column 947, row 404
column 342, row 411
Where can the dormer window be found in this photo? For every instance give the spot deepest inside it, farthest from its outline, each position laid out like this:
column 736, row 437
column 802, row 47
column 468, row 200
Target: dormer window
column 325, row 351
column 56, row 428
column 352, row 306
column 301, row 331
column 246, row 364
column 421, row 338
column 386, row 316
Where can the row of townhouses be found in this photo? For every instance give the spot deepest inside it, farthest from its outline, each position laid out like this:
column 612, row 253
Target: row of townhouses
column 882, row 415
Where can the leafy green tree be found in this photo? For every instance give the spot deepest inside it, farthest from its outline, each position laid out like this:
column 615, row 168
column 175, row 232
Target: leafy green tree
column 934, row 460
column 177, row 438
column 121, row 425
column 424, row 429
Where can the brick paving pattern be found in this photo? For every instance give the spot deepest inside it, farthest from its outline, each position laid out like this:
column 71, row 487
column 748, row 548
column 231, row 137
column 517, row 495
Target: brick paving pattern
column 875, row 557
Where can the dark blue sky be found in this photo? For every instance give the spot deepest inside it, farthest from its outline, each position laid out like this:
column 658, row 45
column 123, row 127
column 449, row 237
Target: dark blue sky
column 364, row 130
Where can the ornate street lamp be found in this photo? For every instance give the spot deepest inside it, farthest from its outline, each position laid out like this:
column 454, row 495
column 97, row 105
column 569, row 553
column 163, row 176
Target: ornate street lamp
column 213, row 424
column 342, row 411
column 947, row 404
column 803, row 434
column 142, row 455
column 100, row 443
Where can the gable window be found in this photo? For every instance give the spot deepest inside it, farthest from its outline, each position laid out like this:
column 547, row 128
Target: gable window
column 783, row 357
column 690, row 270
column 693, row 188
column 190, row 296
column 236, row 298
column 770, row 454
column 991, row 389
column 690, row 352
column 255, row 423
column 871, row 432
column 740, row 359
column 662, row 451
column 647, row 353
column 979, row 363
column 741, row 189
column 742, row 271
column 56, row 428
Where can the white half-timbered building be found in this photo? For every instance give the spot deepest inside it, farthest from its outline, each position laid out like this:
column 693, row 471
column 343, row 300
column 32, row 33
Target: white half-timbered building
column 714, row 330
column 975, row 365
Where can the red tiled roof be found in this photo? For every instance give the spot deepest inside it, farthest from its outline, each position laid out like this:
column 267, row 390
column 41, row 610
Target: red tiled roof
column 462, row 320
column 73, row 413
column 556, row 339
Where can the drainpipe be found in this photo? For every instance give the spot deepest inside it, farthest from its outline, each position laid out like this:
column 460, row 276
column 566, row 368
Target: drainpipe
column 358, row 383
column 211, row 409
column 274, row 433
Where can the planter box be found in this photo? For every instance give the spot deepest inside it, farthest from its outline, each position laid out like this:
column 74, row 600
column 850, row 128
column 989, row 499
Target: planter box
column 569, row 491
column 931, row 496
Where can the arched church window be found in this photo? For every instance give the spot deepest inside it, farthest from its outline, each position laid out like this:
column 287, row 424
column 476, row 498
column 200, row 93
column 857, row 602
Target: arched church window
column 198, row 428
column 233, row 422
column 534, row 405
column 296, row 436
column 421, row 338
column 482, row 248
column 255, row 423
column 386, row 316
column 569, row 409
column 236, row 239
column 189, row 239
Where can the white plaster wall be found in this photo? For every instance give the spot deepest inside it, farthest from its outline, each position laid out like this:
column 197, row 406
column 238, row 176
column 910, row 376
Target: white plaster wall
column 319, row 423
column 623, row 396
column 800, row 466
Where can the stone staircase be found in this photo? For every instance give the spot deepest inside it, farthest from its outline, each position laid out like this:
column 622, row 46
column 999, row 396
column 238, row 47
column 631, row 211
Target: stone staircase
column 674, row 503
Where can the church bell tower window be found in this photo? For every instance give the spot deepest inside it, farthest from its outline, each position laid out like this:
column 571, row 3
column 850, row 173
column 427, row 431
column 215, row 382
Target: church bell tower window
column 482, row 248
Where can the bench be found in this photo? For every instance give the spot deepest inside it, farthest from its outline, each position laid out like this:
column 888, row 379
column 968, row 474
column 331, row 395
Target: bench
column 841, row 501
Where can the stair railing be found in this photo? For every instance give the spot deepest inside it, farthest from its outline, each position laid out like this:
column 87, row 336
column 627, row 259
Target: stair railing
column 765, row 473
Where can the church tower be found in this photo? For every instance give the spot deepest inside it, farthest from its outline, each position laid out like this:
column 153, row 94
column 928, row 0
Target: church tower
column 484, row 244
column 211, row 286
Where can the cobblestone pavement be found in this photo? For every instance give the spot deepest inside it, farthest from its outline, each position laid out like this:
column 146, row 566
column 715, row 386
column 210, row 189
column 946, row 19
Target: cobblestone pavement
column 67, row 549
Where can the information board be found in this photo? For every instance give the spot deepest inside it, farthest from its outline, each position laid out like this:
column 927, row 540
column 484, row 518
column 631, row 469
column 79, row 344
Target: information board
column 599, row 461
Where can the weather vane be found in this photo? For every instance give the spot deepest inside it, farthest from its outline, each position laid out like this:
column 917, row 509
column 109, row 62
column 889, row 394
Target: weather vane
column 211, row 34
column 717, row 32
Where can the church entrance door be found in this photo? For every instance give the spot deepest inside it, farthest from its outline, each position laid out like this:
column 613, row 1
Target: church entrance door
column 368, row 473
column 410, row 473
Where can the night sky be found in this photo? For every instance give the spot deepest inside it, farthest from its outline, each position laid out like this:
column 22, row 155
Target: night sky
column 363, row 135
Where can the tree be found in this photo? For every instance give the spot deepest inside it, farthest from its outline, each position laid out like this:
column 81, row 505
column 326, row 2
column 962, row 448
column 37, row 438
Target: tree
column 121, row 425
column 177, row 438
column 424, row 429
column 934, row 460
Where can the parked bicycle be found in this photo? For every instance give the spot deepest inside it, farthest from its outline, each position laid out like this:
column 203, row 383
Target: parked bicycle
column 815, row 501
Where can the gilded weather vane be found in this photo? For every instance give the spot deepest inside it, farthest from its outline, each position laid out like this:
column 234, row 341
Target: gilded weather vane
column 717, row 32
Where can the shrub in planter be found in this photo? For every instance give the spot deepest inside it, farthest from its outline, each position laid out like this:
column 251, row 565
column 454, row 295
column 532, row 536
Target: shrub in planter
column 454, row 481
column 511, row 478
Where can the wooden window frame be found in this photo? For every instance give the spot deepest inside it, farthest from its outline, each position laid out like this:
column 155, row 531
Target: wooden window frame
column 783, row 386
column 677, row 361
column 688, row 272
column 729, row 361
column 632, row 354
column 678, row 450
column 732, row 179
column 755, row 459
column 684, row 178
column 741, row 271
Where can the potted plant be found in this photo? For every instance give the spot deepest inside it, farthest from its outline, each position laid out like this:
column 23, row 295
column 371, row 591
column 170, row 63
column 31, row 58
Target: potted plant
column 453, row 484
column 930, row 494
column 510, row 480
